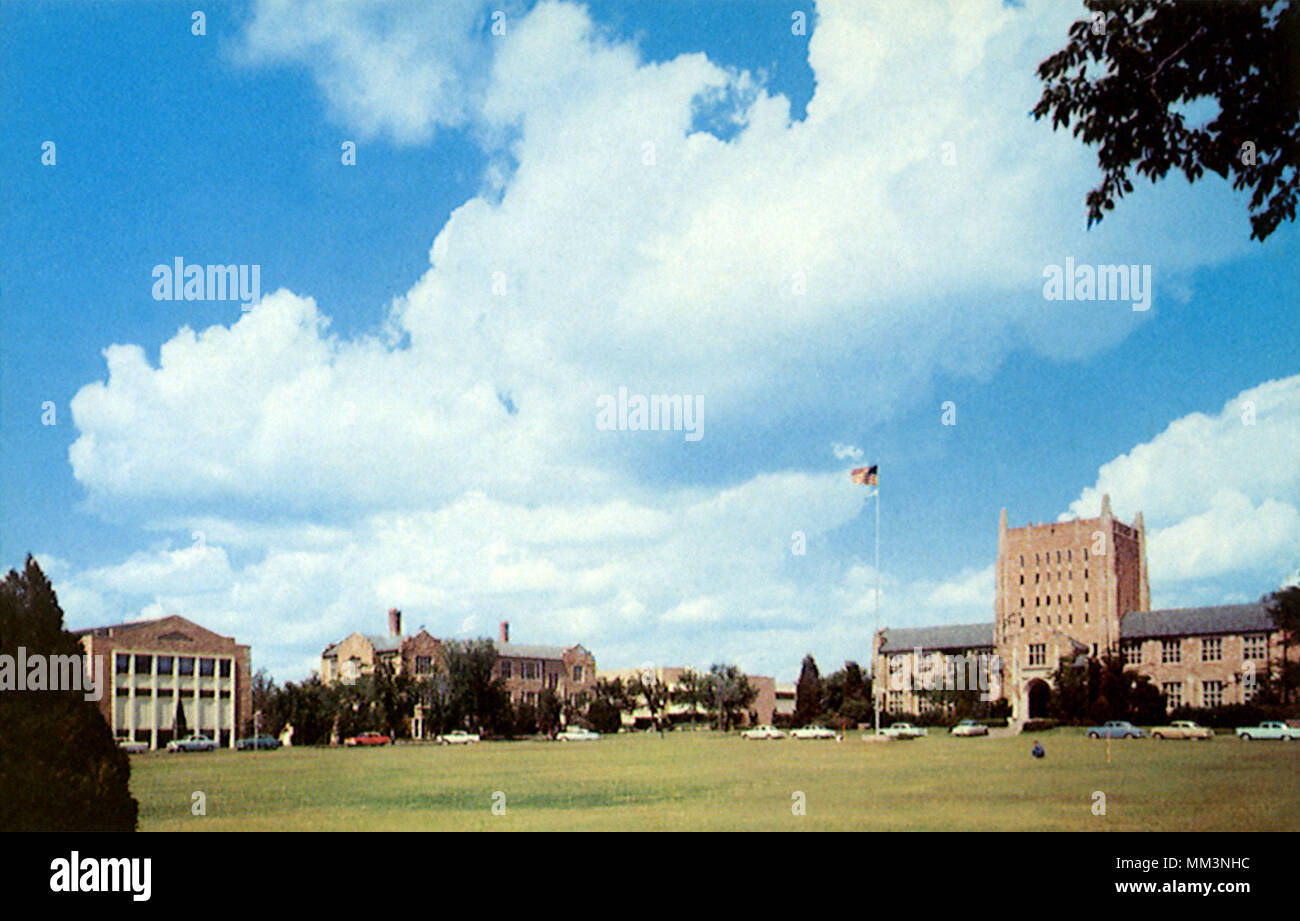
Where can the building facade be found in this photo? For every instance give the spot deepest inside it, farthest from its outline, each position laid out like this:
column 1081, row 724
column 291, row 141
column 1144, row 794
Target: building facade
column 153, row 668
column 1065, row 590
column 760, row 712
column 525, row 671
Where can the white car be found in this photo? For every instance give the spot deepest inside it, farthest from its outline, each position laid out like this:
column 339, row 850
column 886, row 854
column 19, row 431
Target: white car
column 133, row 748
column 970, row 728
column 458, row 737
column 578, row 734
column 192, row 743
column 763, row 732
column 1270, row 729
column 903, row 731
column 814, row 732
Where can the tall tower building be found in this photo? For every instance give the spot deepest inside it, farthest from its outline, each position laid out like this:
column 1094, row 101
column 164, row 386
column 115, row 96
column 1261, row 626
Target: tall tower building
column 1062, row 590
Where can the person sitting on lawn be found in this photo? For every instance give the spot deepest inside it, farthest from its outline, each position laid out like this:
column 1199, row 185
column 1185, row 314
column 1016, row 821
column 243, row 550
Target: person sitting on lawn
column 1037, row 751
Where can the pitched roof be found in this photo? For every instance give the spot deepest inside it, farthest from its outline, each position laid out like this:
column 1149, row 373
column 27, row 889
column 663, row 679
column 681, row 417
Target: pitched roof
column 524, row 651
column 1220, row 618
column 948, row 636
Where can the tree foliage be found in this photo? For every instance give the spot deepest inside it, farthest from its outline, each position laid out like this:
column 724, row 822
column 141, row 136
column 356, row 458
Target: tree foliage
column 1128, row 72
column 60, row 768
column 807, row 692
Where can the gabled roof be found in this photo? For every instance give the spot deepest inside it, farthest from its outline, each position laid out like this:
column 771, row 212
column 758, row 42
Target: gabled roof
column 949, row 636
column 172, row 628
column 1221, row 618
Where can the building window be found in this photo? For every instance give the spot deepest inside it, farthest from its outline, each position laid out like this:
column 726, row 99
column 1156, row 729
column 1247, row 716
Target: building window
column 1255, row 647
column 122, row 664
column 165, row 665
column 1068, row 557
column 224, row 670
column 1085, row 597
column 424, row 665
column 895, row 702
column 1132, row 652
column 1212, row 649
column 1022, row 578
column 505, row 668
column 1212, row 693
column 1085, row 559
column 207, row 667
column 1022, row 602
column 186, row 665
column 1173, row 691
column 530, row 671
column 144, row 665
column 1171, row 652
column 1037, row 576
column 1037, row 654
column 577, row 673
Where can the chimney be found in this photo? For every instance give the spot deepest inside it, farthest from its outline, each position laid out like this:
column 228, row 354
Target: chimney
column 394, row 622
column 505, row 631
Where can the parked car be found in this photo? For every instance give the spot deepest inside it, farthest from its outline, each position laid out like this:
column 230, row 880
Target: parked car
column 1269, row 729
column 763, row 732
column 131, row 747
column 970, row 728
column 458, row 737
column 578, row 734
column 1116, row 729
column 192, row 743
column 257, row 743
column 903, row 731
column 814, row 732
column 368, row 738
column 1183, row 729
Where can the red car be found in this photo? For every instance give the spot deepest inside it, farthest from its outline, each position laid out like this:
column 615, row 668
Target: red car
column 368, row 738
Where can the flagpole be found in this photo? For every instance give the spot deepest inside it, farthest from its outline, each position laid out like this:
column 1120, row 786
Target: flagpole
column 876, row 629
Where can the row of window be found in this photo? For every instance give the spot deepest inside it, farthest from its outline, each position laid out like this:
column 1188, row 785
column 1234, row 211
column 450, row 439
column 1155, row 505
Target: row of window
column 1069, row 599
column 1069, row 619
column 1211, row 693
column 1069, row 576
column 1069, row 557
column 530, row 670
column 167, row 665
column 169, row 692
column 1254, row 646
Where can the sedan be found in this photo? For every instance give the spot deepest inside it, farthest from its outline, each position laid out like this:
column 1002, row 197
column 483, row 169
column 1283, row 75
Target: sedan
column 814, row 732
column 458, row 737
column 1271, row 729
column 368, row 738
column 257, row 743
column 578, row 734
column 192, row 743
column 970, row 728
column 763, row 732
column 1116, row 729
column 1182, row 729
column 132, row 747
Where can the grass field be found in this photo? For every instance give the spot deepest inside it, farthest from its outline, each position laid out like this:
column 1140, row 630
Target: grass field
column 703, row 781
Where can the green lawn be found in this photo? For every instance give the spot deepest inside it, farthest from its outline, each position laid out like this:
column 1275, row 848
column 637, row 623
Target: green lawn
column 702, row 781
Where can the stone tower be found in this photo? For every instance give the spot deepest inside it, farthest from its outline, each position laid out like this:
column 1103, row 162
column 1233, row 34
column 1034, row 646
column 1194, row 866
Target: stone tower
column 1061, row 590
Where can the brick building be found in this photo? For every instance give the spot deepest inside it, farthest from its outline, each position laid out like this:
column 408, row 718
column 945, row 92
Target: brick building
column 760, row 711
column 154, row 666
column 1070, row 589
column 525, row 670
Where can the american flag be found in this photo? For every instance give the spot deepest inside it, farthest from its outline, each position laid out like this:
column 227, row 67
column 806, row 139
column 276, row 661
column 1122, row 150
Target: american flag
column 865, row 476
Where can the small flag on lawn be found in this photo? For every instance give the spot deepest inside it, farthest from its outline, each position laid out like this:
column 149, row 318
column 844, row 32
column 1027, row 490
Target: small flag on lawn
column 865, row 476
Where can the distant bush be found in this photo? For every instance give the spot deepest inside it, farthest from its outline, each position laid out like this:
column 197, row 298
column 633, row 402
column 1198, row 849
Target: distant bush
column 1038, row 725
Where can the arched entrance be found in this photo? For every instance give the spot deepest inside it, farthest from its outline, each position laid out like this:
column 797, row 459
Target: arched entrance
column 1037, row 692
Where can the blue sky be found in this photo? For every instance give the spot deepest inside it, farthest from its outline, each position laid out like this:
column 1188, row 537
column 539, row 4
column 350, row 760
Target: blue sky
column 793, row 248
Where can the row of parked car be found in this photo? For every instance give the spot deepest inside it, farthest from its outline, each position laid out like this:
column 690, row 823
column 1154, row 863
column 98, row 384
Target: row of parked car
column 1187, row 729
column 197, row 742
column 1115, row 729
